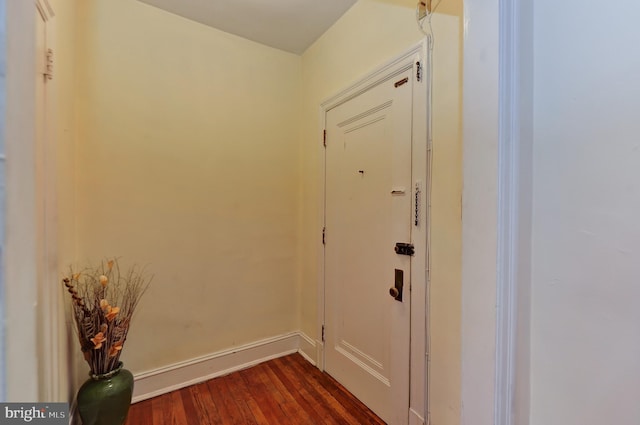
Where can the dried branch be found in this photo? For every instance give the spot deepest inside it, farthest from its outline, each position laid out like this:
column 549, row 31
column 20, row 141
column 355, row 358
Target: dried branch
column 103, row 301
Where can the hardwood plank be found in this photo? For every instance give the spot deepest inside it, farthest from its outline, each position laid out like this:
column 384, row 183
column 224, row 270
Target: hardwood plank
column 194, row 410
column 343, row 399
column 290, row 406
column 204, row 405
column 161, row 407
column 309, row 397
column 236, row 390
column 264, row 395
column 227, row 407
column 178, row 415
column 140, row 414
column 328, row 397
column 261, row 419
column 284, row 391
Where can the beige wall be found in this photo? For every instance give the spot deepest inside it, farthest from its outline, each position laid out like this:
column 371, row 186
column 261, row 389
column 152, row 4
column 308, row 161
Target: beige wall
column 196, row 153
column 369, row 34
column 187, row 163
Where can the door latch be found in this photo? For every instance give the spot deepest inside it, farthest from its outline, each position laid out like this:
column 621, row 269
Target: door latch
column 404, row 249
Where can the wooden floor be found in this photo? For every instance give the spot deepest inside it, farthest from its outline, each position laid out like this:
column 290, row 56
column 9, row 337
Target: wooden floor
column 283, row 391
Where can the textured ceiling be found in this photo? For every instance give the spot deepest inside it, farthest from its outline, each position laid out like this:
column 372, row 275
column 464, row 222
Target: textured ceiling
column 291, row 25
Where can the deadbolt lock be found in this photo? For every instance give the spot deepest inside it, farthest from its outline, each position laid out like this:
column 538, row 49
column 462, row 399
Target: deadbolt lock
column 404, row 249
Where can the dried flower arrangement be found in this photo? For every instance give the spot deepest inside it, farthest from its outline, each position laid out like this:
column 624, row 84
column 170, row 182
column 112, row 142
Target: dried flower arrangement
column 103, row 302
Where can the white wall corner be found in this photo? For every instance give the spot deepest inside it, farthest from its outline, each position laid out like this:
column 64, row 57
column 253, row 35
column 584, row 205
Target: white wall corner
column 183, row 374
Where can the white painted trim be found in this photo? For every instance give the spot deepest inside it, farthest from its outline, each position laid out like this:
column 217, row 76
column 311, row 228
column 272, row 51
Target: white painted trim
column 514, row 189
column 308, row 348
column 400, row 63
column 3, row 212
column 49, row 308
column 183, row 374
column 321, row 253
column 20, row 260
column 320, row 354
column 421, row 133
column 507, row 256
column 45, row 9
column 415, row 418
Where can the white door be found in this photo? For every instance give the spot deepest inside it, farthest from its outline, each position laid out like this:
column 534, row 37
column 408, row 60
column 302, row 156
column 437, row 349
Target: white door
column 368, row 210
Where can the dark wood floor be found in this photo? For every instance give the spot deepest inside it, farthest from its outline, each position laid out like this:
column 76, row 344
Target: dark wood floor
column 283, row 391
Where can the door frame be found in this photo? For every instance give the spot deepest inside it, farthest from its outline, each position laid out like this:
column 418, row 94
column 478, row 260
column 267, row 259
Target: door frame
column 414, row 58
column 49, row 292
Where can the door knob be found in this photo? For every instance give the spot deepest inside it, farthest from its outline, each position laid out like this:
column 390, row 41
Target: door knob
column 393, row 291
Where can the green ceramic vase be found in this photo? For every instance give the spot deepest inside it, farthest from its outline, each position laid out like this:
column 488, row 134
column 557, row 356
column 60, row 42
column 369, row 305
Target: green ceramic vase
column 105, row 399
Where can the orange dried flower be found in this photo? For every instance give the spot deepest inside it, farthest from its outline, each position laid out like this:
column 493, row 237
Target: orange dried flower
column 103, row 280
column 112, row 313
column 113, row 351
column 104, row 305
column 98, row 340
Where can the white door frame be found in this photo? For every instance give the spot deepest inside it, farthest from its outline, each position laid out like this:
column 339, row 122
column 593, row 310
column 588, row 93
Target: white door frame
column 496, row 280
column 3, row 92
column 420, row 145
column 49, row 287
column 19, row 263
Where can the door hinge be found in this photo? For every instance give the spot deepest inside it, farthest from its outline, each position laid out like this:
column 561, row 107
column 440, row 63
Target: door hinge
column 324, row 231
column 48, row 65
column 324, row 138
column 419, row 71
column 322, row 333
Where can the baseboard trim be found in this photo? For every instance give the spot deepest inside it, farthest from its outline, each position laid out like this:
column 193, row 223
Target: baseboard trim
column 415, row 418
column 307, row 348
column 183, row 374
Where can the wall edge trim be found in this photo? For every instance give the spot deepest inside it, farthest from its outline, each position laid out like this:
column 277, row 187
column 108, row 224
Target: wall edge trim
column 415, row 418
column 509, row 237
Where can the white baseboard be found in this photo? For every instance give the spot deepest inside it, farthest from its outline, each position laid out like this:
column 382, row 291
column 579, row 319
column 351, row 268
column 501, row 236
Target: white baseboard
column 320, row 354
column 183, row 374
column 307, row 348
column 415, row 418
